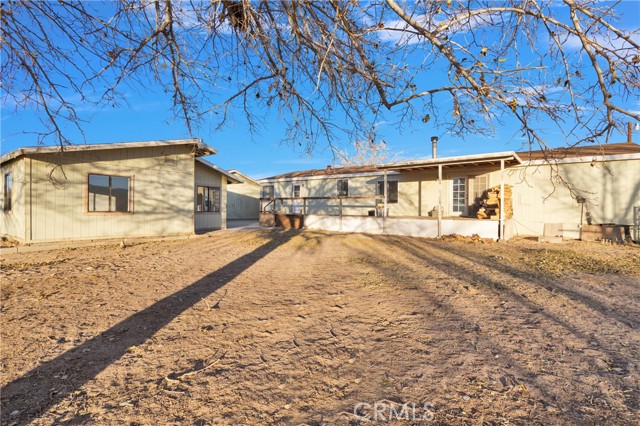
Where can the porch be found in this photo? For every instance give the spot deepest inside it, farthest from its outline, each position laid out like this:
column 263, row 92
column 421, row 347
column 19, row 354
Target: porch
column 294, row 212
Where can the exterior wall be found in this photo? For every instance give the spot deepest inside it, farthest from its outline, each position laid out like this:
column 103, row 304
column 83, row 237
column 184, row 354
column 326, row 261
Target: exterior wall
column 161, row 193
column 417, row 192
column 209, row 221
column 328, row 187
column 13, row 223
column 243, row 201
column 412, row 227
column 611, row 190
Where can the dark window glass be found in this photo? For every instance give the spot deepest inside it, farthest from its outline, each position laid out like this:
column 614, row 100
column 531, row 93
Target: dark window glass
column 108, row 193
column 214, row 198
column 208, row 199
column 343, row 187
column 120, row 194
column 200, row 199
column 392, row 190
column 8, row 186
column 268, row 191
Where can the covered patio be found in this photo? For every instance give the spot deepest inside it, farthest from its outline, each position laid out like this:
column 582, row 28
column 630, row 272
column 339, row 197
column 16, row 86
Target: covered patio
column 403, row 212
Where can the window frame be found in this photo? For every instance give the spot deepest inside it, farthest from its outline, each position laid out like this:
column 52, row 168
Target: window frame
column 475, row 194
column 263, row 192
column 212, row 202
column 7, row 194
column 293, row 190
column 380, row 190
column 130, row 198
column 465, row 197
column 342, row 186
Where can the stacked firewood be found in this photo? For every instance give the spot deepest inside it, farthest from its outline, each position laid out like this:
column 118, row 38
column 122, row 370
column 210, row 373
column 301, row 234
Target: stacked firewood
column 490, row 204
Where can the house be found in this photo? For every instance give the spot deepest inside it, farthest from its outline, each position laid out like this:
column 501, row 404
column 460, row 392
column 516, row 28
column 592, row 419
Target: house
column 243, row 200
column 154, row 188
column 559, row 189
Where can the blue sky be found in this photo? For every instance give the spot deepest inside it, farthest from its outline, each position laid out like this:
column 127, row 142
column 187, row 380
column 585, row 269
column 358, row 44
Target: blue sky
column 147, row 116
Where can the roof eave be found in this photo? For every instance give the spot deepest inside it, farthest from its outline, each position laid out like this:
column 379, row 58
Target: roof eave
column 220, row 170
column 200, row 148
column 453, row 161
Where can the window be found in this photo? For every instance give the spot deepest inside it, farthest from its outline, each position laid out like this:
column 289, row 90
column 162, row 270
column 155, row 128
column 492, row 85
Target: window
column 479, row 184
column 268, row 191
column 108, row 193
column 208, row 199
column 343, row 187
column 8, row 184
column 392, row 190
column 459, row 202
column 295, row 191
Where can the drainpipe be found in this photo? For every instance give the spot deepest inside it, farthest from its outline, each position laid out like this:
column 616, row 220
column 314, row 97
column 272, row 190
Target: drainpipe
column 439, row 200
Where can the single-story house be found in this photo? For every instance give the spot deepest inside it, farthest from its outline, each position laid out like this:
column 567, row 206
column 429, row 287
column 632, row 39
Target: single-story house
column 243, row 200
column 532, row 192
column 114, row 190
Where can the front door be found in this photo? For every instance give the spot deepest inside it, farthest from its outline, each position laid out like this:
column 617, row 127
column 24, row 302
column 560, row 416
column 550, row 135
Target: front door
column 459, row 196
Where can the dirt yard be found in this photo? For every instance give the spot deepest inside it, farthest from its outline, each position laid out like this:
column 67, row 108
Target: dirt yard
column 287, row 328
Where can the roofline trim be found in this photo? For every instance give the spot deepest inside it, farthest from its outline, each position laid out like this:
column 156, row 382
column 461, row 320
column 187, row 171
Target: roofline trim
column 219, row 170
column 332, row 176
column 462, row 159
column 244, row 176
column 582, row 159
column 201, row 147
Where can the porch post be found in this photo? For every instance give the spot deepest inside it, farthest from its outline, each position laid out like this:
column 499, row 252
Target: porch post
column 439, row 200
column 384, row 208
column 501, row 226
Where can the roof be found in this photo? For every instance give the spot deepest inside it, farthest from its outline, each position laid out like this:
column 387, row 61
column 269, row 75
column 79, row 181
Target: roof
column 581, row 151
column 509, row 158
column 199, row 148
column 245, row 178
column 226, row 173
column 329, row 171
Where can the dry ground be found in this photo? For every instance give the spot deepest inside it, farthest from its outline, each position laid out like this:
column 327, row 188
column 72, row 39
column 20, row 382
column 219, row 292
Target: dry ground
column 274, row 327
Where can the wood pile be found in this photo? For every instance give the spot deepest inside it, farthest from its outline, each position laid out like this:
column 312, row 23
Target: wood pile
column 490, row 204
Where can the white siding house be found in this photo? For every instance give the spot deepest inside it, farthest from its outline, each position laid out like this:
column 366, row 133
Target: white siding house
column 110, row 190
column 546, row 188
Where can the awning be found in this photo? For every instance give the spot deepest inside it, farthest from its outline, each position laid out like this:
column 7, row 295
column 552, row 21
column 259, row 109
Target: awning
column 509, row 158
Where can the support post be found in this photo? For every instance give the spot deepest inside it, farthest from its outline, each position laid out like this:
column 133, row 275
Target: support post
column 439, row 200
column 501, row 226
column 384, row 209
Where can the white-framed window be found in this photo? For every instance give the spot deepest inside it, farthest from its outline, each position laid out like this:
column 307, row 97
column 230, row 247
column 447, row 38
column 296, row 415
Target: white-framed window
column 295, row 190
column 108, row 194
column 392, row 190
column 268, row 191
column 459, row 195
column 479, row 185
column 343, row 187
column 8, row 186
column 208, row 199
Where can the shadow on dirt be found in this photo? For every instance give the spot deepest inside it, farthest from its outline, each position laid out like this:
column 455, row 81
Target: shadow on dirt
column 31, row 395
